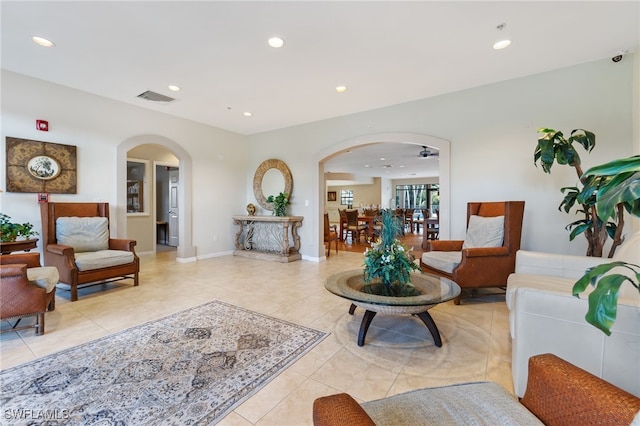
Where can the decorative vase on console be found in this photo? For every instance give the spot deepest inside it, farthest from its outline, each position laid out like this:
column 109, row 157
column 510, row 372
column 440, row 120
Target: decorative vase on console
column 388, row 264
column 279, row 203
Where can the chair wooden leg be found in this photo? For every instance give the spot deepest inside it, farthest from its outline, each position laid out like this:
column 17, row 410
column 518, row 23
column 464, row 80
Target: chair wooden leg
column 40, row 324
column 74, row 292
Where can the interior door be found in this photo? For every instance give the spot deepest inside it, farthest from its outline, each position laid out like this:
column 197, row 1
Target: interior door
column 174, row 210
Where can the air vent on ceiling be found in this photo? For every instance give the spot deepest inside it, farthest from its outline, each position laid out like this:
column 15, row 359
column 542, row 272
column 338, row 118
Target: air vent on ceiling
column 155, row 97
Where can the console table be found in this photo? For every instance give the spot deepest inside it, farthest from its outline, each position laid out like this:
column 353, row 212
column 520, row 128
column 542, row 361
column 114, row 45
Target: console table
column 268, row 237
column 21, row 245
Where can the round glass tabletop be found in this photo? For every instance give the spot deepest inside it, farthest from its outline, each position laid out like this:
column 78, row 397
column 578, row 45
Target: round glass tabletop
column 430, row 289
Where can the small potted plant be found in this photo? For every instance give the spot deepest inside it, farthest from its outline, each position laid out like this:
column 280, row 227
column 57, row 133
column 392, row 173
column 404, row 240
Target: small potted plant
column 280, row 202
column 10, row 231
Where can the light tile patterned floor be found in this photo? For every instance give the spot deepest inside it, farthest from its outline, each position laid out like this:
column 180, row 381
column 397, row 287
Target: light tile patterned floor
column 398, row 355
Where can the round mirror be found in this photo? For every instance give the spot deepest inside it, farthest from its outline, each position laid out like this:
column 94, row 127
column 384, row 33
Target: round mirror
column 272, row 182
column 272, row 177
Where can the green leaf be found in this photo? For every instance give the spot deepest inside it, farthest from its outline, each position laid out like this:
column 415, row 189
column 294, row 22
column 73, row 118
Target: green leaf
column 623, row 188
column 630, row 164
column 584, row 137
column 603, row 302
column 579, row 229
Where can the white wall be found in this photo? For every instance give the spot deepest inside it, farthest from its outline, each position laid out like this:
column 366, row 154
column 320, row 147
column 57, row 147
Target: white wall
column 97, row 126
column 492, row 130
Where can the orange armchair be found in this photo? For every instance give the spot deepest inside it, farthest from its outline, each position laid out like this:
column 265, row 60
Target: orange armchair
column 24, row 294
column 469, row 262
column 83, row 266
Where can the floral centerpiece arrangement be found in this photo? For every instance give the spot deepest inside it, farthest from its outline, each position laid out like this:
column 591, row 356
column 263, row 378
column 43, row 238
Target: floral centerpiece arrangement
column 10, row 231
column 280, row 202
column 389, row 261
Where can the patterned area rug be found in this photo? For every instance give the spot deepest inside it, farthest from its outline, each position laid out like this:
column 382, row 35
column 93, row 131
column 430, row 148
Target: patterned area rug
column 192, row 367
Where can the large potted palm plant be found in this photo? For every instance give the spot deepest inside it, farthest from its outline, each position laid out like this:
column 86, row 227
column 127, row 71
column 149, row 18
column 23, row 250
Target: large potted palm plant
column 554, row 147
column 614, row 188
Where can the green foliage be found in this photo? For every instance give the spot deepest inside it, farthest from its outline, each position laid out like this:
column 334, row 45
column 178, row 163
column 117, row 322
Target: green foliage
column 553, row 146
column 603, row 301
column 614, row 183
column 387, row 258
column 11, row 231
column 609, row 187
column 279, row 203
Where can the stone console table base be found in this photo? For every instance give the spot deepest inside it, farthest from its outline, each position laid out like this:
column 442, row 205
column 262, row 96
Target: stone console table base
column 272, row 238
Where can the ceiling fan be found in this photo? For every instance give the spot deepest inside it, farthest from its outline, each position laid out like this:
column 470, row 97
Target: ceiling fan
column 426, row 153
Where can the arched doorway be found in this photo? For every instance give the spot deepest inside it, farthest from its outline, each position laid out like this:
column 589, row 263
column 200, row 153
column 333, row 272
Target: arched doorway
column 186, row 250
column 444, row 146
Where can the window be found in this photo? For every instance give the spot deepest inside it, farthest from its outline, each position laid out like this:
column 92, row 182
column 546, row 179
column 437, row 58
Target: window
column 346, row 197
column 418, row 196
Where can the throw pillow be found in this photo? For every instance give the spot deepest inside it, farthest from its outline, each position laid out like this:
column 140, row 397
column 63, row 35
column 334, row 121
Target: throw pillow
column 83, row 233
column 484, row 232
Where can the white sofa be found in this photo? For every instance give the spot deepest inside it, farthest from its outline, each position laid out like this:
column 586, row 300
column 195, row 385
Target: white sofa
column 546, row 318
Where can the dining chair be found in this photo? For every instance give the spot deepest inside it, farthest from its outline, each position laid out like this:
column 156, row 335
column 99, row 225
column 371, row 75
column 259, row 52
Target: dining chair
column 330, row 234
column 353, row 227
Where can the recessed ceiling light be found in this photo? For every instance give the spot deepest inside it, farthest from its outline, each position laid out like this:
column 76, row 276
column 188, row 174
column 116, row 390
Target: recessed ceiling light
column 276, row 42
column 174, row 88
column 505, row 42
column 42, row 41
column 501, row 44
column 247, row 114
column 366, row 165
column 382, row 158
column 341, row 89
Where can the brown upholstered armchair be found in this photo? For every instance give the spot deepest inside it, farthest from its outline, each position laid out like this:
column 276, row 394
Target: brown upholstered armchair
column 76, row 240
column 558, row 393
column 485, row 258
column 26, row 289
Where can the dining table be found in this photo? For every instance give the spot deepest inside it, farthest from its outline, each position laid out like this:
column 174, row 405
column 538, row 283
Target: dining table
column 369, row 221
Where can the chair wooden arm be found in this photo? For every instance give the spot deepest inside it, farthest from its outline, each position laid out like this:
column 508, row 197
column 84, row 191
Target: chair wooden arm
column 32, row 260
column 558, row 392
column 444, row 245
column 339, row 410
column 121, row 244
column 485, row 251
column 59, row 249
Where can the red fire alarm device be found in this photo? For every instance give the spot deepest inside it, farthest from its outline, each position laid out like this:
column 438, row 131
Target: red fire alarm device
column 42, row 125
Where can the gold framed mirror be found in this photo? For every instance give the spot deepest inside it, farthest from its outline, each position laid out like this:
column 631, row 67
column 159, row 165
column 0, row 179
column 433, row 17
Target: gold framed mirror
column 268, row 179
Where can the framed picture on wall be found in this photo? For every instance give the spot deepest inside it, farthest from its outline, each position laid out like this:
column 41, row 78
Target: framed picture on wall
column 331, row 196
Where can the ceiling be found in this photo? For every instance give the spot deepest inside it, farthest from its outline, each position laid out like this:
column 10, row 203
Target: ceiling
column 384, row 52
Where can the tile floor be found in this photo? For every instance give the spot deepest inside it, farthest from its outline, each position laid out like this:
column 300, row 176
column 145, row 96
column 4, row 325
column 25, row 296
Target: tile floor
column 398, row 354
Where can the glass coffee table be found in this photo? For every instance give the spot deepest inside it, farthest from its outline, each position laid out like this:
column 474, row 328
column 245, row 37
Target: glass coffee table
column 430, row 290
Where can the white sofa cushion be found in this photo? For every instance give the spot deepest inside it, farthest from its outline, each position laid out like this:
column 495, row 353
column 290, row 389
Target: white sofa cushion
column 87, row 261
column 484, row 232
column 445, row 261
column 84, row 234
column 44, row 277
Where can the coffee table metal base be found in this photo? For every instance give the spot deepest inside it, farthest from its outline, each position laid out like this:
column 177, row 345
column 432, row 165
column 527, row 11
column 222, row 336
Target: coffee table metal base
column 369, row 314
